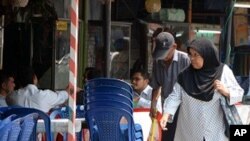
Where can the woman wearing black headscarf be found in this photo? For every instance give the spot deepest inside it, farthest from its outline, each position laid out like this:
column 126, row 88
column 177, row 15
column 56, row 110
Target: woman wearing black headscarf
column 197, row 92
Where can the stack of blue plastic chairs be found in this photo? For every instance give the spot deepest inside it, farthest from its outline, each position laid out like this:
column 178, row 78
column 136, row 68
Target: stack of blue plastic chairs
column 19, row 124
column 108, row 102
column 63, row 112
column 10, row 130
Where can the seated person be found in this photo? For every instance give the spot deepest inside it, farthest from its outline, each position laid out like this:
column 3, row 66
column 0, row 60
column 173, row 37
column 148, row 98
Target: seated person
column 7, row 86
column 29, row 95
column 120, row 59
column 142, row 90
column 89, row 73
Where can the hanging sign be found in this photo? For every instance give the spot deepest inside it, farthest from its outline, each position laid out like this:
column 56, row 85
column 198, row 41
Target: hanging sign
column 61, row 25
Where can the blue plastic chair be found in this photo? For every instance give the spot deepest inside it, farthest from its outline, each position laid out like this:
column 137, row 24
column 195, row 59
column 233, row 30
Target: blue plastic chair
column 28, row 127
column 4, row 132
column 113, row 99
column 23, row 111
column 110, row 102
column 63, row 112
column 110, row 92
column 107, row 104
column 108, row 82
column 109, row 89
column 3, row 109
column 110, row 96
column 105, row 96
column 11, row 130
column 15, row 129
column 138, row 131
column 104, row 123
column 7, row 120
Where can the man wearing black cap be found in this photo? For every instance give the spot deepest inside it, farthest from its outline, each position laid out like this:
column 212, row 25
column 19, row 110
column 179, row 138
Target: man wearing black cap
column 168, row 62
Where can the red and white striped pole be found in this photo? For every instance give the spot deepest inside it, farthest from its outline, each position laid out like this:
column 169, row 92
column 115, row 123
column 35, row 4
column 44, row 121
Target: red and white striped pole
column 73, row 68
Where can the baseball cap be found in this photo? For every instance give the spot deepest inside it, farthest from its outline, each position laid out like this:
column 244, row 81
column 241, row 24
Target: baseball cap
column 163, row 42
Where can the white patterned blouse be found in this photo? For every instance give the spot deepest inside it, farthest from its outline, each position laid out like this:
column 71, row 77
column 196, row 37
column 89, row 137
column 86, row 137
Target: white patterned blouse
column 199, row 120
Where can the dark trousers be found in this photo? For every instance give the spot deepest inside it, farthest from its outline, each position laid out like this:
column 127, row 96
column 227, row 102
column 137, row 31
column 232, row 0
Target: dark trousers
column 168, row 135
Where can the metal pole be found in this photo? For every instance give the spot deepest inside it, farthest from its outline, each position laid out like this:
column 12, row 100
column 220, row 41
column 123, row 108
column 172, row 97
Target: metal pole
column 53, row 67
column 190, row 19
column 229, row 34
column 31, row 43
column 74, row 26
column 1, row 40
column 108, row 36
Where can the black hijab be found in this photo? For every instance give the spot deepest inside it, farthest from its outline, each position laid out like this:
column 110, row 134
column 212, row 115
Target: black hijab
column 198, row 83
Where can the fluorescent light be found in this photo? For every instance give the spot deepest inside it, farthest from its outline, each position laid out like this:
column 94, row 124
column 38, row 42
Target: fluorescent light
column 179, row 34
column 242, row 5
column 208, row 31
column 206, row 28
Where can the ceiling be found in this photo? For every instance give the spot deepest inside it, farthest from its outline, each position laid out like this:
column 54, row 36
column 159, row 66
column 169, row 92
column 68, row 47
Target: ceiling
column 203, row 11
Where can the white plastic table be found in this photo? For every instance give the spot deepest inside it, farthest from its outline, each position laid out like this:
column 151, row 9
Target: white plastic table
column 59, row 125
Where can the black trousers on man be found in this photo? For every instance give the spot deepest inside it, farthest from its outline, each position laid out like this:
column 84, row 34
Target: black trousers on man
column 168, row 135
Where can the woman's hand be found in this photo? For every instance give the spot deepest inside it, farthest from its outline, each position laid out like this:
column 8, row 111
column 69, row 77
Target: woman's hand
column 163, row 121
column 218, row 86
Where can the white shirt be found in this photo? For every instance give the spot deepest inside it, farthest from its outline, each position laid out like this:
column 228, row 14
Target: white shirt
column 2, row 101
column 198, row 119
column 145, row 99
column 31, row 96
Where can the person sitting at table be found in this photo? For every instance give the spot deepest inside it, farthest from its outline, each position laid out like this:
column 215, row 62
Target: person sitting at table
column 29, row 95
column 7, row 86
column 142, row 90
column 89, row 73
